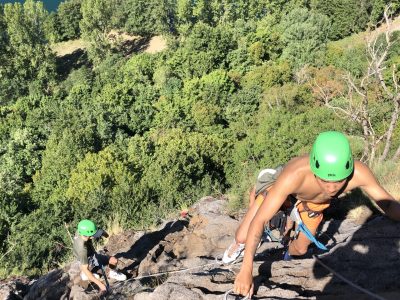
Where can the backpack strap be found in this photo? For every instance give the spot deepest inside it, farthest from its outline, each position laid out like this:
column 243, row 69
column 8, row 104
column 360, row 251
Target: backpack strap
column 266, row 178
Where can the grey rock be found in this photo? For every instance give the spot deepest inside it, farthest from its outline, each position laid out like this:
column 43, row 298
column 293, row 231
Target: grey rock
column 180, row 260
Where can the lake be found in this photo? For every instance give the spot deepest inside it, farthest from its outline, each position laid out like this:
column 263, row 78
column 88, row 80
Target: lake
column 51, row 5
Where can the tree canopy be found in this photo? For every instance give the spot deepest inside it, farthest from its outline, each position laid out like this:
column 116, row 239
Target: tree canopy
column 112, row 132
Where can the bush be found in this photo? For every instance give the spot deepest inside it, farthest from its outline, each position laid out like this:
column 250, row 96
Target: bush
column 38, row 241
column 274, row 140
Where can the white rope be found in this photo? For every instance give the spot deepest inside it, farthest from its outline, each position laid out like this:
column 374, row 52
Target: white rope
column 228, row 293
column 348, row 281
column 176, row 271
column 217, row 262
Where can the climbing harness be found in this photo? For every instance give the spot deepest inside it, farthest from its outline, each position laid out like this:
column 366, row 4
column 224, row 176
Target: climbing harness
column 280, row 221
column 295, row 216
column 270, row 235
column 277, row 222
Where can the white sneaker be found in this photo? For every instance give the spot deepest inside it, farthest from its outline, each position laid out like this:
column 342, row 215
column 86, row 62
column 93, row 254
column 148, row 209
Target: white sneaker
column 117, row 275
column 233, row 252
column 85, row 278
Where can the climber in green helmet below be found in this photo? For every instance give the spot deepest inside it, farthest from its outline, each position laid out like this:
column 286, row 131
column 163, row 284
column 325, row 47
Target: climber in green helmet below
column 312, row 181
column 89, row 260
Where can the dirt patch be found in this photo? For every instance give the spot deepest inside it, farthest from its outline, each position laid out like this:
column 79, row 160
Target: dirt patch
column 394, row 26
column 118, row 35
column 152, row 45
column 156, row 44
column 68, row 47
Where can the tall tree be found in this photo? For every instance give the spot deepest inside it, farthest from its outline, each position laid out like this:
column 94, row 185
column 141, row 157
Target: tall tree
column 28, row 61
column 69, row 15
column 95, row 26
column 372, row 101
column 304, row 36
column 150, row 17
column 347, row 16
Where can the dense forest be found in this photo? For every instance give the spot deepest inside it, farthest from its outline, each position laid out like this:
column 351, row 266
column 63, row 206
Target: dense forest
column 121, row 136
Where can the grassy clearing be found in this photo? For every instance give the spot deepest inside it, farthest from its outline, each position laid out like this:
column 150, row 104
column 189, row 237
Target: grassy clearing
column 156, row 43
column 388, row 174
column 359, row 39
column 68, row 47
column 114, row 226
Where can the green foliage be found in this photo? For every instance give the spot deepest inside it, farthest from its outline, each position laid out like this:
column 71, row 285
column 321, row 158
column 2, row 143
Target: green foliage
column 37, row 240
column 20, row 161
column 125, row 104
column 100, row 183
column 125, row 107
column 95, row 26
column 208, row 95
column 148, row 18
column 288, row 96
column 64, row 150
column 259, row 42
column 241, row 109
column 27, row 62
column 134, row 136
column 215, row 12
column 202, row 51
column 80, row 77
column 68, row 16
column 267, row 75
column 346, row 16
column 51, row 28
column 185, row 166
column 304, row 36
column 199, row 105
column 347, row 58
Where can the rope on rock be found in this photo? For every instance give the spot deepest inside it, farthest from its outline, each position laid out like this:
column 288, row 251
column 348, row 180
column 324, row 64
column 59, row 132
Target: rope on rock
column 216, row 262
column 177, row 271
column 375, row 296
column 228, row 293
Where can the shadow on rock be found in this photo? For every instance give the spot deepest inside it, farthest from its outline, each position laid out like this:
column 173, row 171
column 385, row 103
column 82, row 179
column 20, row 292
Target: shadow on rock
column 369, row 259
column 148, row 241
column 53, row 286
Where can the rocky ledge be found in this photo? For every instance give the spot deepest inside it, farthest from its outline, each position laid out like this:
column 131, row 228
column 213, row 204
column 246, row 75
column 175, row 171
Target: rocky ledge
column 181, row 260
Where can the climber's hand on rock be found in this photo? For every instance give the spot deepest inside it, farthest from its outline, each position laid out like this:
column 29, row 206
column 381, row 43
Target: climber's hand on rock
column 244, row 284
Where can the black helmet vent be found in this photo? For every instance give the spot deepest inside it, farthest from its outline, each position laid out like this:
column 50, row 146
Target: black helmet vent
column 317, row 164
column 347, row 165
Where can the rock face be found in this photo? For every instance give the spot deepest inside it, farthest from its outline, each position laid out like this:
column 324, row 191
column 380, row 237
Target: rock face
column 54, row 285
column 13, row 289
column 180, row 261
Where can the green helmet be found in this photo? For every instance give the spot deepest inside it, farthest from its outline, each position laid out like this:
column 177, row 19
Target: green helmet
column 331, row 157
column 86, row 228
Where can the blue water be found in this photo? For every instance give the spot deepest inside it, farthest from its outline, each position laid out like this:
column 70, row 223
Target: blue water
column 50, row 5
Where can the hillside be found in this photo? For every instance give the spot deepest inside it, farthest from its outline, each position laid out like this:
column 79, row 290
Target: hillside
column 180, row 261
column 158, row 43
column 99, row 128
column 361, row 38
